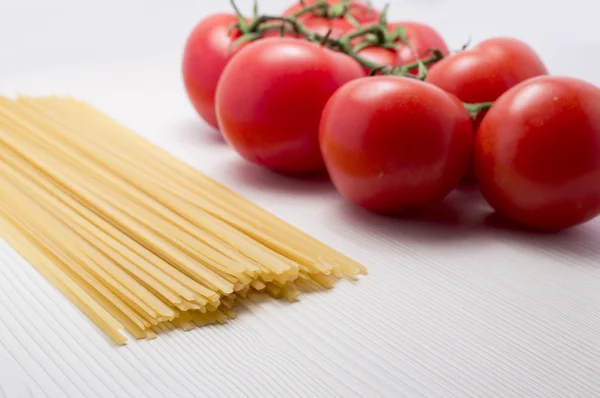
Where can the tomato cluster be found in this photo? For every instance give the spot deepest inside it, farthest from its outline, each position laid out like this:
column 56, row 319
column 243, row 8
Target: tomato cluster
column 395, row 119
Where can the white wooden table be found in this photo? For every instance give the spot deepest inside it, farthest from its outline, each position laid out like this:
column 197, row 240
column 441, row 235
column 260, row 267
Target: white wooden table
column 453, row 307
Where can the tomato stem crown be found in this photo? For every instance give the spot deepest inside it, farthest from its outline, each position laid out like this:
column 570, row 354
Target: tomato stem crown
column 476, row 109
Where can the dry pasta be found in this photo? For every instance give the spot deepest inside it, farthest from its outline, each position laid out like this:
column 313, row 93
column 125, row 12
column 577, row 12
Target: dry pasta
column 136, row 239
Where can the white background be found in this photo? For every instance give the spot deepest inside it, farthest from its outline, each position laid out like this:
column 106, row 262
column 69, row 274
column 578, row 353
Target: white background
column 453, row 306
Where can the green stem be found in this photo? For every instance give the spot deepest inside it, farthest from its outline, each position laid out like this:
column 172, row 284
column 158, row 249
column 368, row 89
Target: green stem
column 326, row 38
column 372, row 66
column 311, row 8
column 375, row 29
column 476, row 109
column 241, row 20
column 261, row 24
column 256, row 23
column 343, row 44
column 338, row 10
column 270, row 27
column 432, row 59
column 299, row 27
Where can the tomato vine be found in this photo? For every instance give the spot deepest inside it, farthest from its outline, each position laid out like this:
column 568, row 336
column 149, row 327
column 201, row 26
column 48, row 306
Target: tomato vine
column 376, row 34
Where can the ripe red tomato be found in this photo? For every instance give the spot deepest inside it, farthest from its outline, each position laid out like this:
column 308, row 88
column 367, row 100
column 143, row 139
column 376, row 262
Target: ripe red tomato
column 338, row 27
column 488, row 70
column 271, row 97
column 207, row 51
column 422, row 38
column 363, row 14
column 537, row 153
column 380, row 56
column 392, row 143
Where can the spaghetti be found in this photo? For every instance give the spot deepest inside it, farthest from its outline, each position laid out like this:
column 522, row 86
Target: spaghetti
column 134, row 237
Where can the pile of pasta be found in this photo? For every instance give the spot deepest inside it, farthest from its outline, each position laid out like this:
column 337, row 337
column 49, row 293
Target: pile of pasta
column 136, row 239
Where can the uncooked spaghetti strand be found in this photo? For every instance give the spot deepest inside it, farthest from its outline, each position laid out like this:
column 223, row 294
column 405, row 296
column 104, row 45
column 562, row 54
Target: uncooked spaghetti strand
column 246, row 208
column 153, row 285
column 117, row 236
column 185, row 221
column 210, row 224
column 54, row 205
column 185, row 224
column 132, row 292
column 95, row 289
column 146, row 226
column 95, row 311
column 65, row 175
column 299, row 236
column 165, row 226
column 151, row 233
column 168, row 231
column 72, row 290
column 293, row 254
column 67, row 261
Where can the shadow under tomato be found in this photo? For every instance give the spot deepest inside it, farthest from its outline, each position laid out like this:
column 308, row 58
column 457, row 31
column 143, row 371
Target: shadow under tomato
column 258, row 177
column 464, row 208
column 458, row 217
column 465, row 218
column 580, row 242
column 198, row 134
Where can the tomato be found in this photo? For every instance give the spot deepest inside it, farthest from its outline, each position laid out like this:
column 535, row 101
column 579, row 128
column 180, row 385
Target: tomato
column 488, row 70
column 277, row 33
column 422, row 38
column 379, row 56
column 363, row 14
column 271, row 97
column 322, row 26
column 537, row 153
column 392, row 144
column 207, row 51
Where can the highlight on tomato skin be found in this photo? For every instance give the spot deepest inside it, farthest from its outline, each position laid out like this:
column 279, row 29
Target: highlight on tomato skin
column 207, row 52
column 392, row 144
column 271, row 97
column 537, row 153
